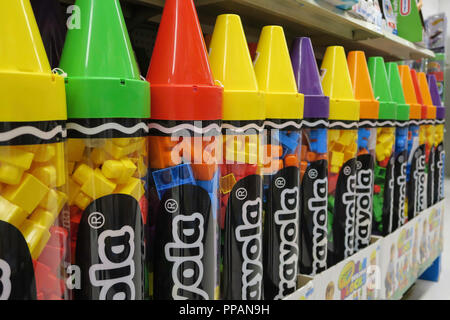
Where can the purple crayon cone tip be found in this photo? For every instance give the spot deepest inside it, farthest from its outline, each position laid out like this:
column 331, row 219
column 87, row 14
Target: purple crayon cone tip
column 435, row 97
column 317, row 105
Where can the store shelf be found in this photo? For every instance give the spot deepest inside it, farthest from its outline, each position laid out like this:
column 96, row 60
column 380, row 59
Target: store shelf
column 317, row 19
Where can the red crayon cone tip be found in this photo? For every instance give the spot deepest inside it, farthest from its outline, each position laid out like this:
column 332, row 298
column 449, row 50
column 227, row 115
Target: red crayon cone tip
column 182, row 83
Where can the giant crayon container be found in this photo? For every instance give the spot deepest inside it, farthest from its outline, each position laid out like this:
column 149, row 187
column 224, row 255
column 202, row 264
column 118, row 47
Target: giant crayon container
column 439, row 157
column 342, row 153
column 108, row 110
column 383, row 202
column 415, row 168
column 34, row 222
column 427, row 133
column 401, row 147
column 184, row 136
column 314, row 164
column 241, row 199
column 367, row 139
column 281, row 171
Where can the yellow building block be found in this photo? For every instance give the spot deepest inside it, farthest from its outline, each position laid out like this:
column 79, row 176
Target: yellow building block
column 121, row 152
column 42, row 217
column 334, row 169
column 54, row 201
column 348, row 155
column 98, row 185
column 46, row 174
column 227, row 183
column 82, row 174
column 337, row 159
column 129, row 168
column 73, row 190
column 36, row 237
column 11, row 213
column 16, row 157
column 133, row 188
column 70, row 167
column 10, row 174
column 59, row 163
column 333, row 135
column 123, row 142
column 99, row 156
column 82, row 200
column 75, row 149
column 142, row 168
column 380, row 152
column 28, row 194
column 338, row 147
column 112, row 169
column 347, row 137
column 45, row 152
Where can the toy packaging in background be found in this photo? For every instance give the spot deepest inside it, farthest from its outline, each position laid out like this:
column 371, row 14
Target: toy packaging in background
column 241, row 181
column 436, row 32
column 342, row 152
column 108, row 109
column 367, row 140
column 409, row 23
column 415, row 169
column 383, row 199
column 34, row 227
column 185, row 132
column 439, row 157
column 427, row 133
column 281, row 172
column 436, row 66
column 314, row 163
column 389, row 16
column 401, row 146
column 370, row 11
column 343, row 4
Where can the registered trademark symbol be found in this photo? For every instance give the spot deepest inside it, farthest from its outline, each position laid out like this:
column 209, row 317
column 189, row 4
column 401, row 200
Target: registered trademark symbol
column 347, row 170
column 96, row 220
column 171, row 205
column 280, row 182
column 401, row 159
column 313, row 173
column 358, row 165
column 241, row 193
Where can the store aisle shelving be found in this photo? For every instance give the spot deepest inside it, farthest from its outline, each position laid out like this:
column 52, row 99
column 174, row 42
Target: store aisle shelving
column 427, row 290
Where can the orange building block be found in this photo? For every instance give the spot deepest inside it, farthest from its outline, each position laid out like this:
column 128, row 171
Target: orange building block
column 291, row 160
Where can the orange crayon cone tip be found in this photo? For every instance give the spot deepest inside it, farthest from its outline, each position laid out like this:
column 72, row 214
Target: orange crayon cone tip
column 362, row 86
column 410, row 92
column 182, row 85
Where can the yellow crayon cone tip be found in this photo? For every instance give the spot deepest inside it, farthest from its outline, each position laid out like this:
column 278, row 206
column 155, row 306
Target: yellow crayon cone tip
column 337, row 85
column 28, row 89
column 362, row 85
column 232, row 68
column 273, row 69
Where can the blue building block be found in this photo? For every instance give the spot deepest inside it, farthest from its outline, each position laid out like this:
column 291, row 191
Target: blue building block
column 363, row 138
column 172, row 177
column 433, row 272
column 318, row 143
column 290, row 142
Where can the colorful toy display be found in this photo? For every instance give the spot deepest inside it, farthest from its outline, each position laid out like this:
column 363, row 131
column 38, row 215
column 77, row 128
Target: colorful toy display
column 314, row 160
column 33, row 214
column 367, row 140
column 439, row 157
column 108, row 105
column 241, row 181
column 342, row 152
column 415, row 169
column 184, row 134
column 409, row 24
column 401, row 147
column 429, row 128
column 383, row 202
column 281, row 163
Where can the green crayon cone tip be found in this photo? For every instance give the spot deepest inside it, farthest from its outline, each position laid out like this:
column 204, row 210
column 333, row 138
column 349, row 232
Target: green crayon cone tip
column 103, row 76
column 378, row 76
column 398, row 96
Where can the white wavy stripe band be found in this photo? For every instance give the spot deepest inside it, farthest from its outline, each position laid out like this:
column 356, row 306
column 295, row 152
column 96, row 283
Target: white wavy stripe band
column 386, row 123
column 306, row 123
column 283, row 125
column 242, row 129
column 352, row 125
column 183, row 126
column 44, row 135
column 367, row 123
column 107, row 126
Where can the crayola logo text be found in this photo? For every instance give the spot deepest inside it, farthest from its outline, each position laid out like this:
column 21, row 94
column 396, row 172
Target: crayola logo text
column 401, row 181
column 186, row 253
column 363, row 216
column 250, row 234
column 287, row 219
column 115, row 251
column 349, row 203
column 5, row 281
column 318, row 207
column 420, row 183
